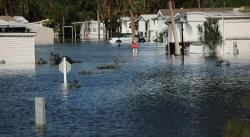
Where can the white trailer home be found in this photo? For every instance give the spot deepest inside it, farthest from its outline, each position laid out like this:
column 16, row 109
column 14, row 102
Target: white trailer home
column 44, row 35
column 89, row 30
column 16, row 46
column 234, row 26
column 147, row 26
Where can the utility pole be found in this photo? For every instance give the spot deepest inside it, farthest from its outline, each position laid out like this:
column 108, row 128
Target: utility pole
column 177, row 46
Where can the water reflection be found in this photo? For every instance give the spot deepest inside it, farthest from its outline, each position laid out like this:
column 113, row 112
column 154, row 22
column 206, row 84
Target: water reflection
column 40, row 132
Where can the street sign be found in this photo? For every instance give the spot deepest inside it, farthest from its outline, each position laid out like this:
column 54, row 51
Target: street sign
column 68, row 67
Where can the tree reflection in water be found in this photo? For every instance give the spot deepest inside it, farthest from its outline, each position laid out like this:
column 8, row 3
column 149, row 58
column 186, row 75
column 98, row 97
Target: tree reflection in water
column 240, row 125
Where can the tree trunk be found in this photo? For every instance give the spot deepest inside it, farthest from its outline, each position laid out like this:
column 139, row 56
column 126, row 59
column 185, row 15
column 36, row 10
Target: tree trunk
column 177, row 47
column 5, row 8
column 98, row 19
column 132, row 21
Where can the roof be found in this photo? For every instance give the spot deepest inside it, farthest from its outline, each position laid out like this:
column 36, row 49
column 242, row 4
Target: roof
column 8, row 21
column 7, row 18
column 230, row 14
column 20, row 19
column 125, row 18
column 166, row 12
column 148, row 16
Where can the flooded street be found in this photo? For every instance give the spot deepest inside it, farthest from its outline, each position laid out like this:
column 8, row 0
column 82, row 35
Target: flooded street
column 149, row 95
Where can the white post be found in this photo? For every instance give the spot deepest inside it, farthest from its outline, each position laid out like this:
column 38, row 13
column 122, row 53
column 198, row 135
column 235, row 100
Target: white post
column 75, row 32
column 223, row 35
column 63, row 33
column 65, row 71
column 40, row 111
column 72, row 35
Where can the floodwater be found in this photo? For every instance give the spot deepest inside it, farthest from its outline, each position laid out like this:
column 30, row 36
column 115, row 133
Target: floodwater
column 149, row 95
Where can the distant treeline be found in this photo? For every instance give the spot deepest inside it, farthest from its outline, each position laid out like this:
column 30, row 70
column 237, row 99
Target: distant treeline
column 67, row 11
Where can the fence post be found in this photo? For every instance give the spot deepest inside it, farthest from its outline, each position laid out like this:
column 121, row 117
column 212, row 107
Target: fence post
column 40, row 113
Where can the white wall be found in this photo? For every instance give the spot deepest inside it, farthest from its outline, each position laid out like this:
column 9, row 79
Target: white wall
column 125, row 27
column 17, row 48
column 153, row 26
column 235, row 29
column 44, row 35
column 190, row 33
column 228, row 51
column 141, row 26
column 161, row 26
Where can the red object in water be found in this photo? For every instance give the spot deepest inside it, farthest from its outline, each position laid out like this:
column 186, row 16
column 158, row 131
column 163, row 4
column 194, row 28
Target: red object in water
column 134, row 45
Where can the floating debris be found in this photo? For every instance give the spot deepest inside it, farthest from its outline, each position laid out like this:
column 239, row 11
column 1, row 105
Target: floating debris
column 74, row 84
column 116, row 61
column 84, row 72
column 220, row 62
column 42, row 61
column 2, row 62
column 228, row 63
column 114, row 64
column 107, row 66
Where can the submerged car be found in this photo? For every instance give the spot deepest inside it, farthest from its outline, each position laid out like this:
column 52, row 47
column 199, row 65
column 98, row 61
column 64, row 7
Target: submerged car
column 121, row 38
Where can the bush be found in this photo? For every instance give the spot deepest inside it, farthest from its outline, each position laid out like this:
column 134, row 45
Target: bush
column 107, row 66
column 41, row 61
column 56, row 59
column 210, row 35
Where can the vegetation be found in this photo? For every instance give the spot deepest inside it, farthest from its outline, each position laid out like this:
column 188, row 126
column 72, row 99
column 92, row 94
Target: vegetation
column 74, row 84
column 84, row 72
column 237, row 127
column 64, row 12
column 56, row 59
column 107, row 66
column 240, row 126
column 67, row 11
column 41, row 61
column 210, row 35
